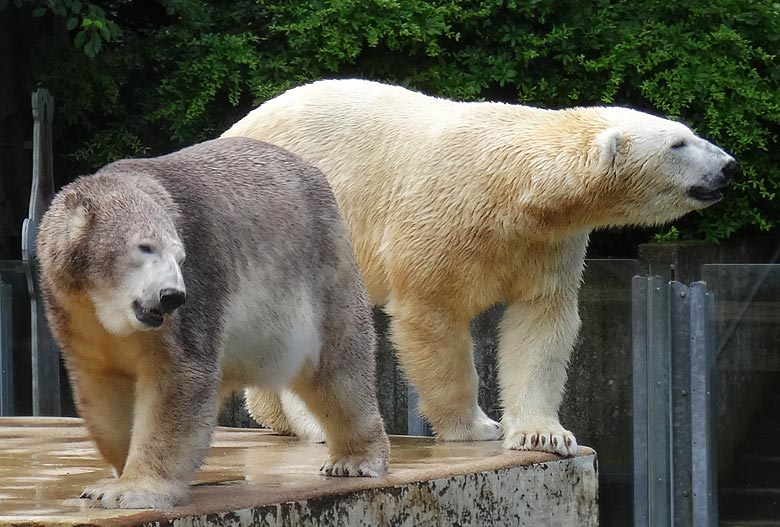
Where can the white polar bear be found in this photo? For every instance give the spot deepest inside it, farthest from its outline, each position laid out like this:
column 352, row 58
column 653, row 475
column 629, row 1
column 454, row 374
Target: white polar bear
column 453, row 207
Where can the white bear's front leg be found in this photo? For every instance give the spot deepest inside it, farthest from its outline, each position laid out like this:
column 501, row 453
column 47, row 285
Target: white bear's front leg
column 535, row 346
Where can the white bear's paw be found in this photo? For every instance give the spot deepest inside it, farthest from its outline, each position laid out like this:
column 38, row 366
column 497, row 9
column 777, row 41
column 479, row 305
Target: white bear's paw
column 479, row 428
column 356, row 466
column 551, row 438
column 141, row 493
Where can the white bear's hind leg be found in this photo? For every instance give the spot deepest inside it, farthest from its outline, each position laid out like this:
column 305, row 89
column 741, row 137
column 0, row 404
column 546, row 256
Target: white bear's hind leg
column 302, row 422
column 285, row 413
column 436, row 355
column 265, row 407
column 534, row 350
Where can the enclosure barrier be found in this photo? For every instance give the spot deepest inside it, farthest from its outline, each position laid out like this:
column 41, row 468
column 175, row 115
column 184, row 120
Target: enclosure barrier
column 673, row 362
column 45, row 355
column 6, row 353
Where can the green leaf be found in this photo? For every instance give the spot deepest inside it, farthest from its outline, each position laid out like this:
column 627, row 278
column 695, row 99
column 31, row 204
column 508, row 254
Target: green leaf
column 4, row 4
column 170, row 10
column 39, row 11
column 81, row 37
column 76, row 7
column 86, row 22
column 71, row 24
column 94, row 44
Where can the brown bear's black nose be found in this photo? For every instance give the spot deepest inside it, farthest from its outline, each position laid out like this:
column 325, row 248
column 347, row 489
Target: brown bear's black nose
column 731, row 169
column 170, row 299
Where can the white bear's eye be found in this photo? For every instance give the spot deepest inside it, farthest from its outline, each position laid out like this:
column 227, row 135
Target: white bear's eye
column 146, row 248
column 679, row 144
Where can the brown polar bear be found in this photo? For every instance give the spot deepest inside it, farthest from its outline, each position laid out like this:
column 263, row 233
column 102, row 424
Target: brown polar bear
column 454, row 206
column 273, row 300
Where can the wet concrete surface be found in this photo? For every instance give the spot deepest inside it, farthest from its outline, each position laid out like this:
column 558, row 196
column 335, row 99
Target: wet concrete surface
column 45, row 463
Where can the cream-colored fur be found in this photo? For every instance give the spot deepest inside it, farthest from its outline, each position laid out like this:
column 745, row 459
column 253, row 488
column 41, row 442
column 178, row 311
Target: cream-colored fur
column 453, row 207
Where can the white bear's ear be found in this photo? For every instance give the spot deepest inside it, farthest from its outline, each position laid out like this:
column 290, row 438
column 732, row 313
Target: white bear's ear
column 609, row 142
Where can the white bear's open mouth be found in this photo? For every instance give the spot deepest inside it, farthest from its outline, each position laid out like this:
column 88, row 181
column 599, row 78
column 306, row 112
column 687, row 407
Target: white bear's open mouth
column 705, row 194
column 148, row 317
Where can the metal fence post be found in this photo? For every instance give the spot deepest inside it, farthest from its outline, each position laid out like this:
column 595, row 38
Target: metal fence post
column 45, row 355
column 652, row 402
column 6, row 357
column 674, row 445
column 639, row 333
column 659, row 402
column 681, row 404
column 703, row 448
column 416, row 425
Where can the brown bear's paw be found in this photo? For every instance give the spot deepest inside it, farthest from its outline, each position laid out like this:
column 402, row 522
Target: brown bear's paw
column 479, row 428
column 140, row 493
column 545, row 438
column 356, row 466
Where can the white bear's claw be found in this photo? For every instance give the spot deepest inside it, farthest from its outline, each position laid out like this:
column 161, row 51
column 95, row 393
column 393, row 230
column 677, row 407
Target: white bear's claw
column 551, row 438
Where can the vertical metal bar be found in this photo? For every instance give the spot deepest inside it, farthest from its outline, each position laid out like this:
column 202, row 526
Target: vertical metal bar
column 659, row 399
column 681, row 404
column 6, row 357
column 702, row 439
column 640, row 317
column 45, row 355
column 417, row 426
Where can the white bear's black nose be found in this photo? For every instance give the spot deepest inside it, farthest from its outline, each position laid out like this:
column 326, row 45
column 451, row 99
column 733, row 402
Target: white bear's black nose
column 731, row 169
column 171, row 299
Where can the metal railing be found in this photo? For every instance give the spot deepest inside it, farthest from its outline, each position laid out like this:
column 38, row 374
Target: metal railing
column 675, row 470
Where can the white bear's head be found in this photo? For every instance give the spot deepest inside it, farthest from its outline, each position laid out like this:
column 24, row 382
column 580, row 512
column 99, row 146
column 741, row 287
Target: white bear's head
column 655, row 170
column 120, row 248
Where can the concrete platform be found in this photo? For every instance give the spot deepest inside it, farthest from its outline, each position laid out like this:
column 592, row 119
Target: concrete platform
column 253, row 477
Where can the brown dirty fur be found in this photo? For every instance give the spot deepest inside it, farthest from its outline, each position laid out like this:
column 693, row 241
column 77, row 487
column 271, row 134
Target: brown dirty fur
column 274, row 301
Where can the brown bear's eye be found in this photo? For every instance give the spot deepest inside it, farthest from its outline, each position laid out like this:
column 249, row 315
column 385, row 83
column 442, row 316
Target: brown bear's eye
column 679, row 144
column 146, row 248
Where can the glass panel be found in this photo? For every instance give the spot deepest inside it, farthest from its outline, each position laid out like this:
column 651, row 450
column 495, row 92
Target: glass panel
column 747, row 315
column 597, row 405
column 12, row 274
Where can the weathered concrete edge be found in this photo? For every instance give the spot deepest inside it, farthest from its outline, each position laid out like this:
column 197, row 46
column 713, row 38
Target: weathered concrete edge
column 523, row 495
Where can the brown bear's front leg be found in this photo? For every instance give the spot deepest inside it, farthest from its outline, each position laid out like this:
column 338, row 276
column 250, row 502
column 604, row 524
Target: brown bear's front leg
column 105, row 402
column 175, row 414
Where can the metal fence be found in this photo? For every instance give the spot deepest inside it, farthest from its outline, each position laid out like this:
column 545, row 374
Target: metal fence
column 44, row 353
column 675, row 470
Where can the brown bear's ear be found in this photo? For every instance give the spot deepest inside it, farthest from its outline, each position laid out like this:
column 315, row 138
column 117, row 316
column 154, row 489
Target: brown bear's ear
column 79, row 212
column 609, row 142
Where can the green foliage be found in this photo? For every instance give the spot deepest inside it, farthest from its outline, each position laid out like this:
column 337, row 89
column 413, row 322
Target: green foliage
column 88, row 23
column 671, row 235
column 188, row 71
